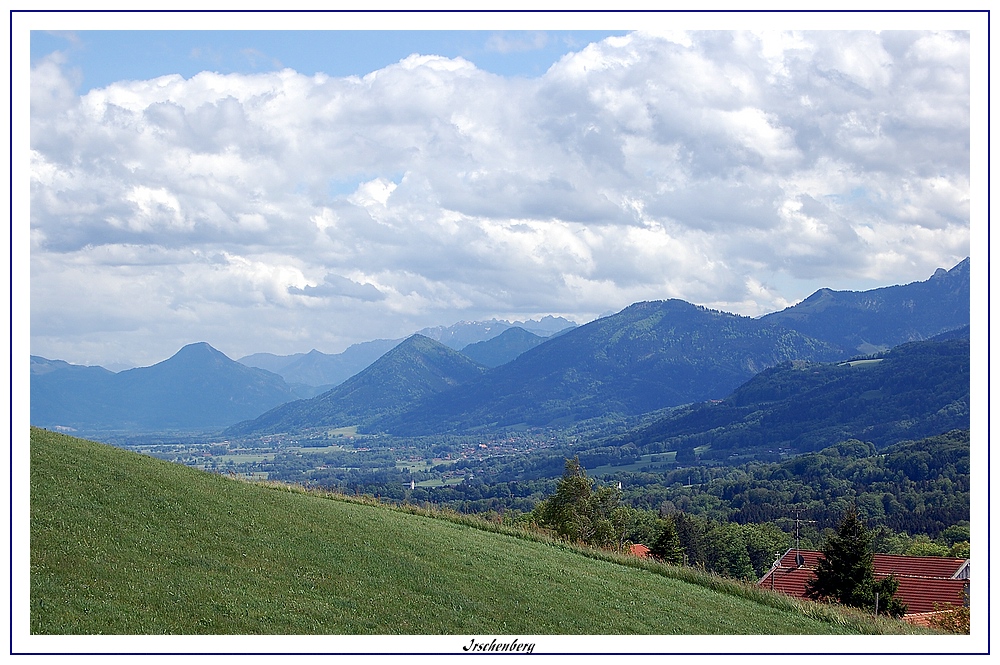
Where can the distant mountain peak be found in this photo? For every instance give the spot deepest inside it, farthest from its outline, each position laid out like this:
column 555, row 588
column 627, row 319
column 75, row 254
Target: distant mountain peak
column 416, row 367
column 321, row 369
column 197, row 387
column 868, row 321
column 959, row 270
column 198, row 347
column 504, row 347
column 463, row 333
column 198, row 352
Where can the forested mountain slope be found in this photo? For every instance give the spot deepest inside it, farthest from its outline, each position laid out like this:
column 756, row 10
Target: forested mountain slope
column 503, row 348
column 648, row 356
column 415, row 368
column 869, row 321
column 916, row 390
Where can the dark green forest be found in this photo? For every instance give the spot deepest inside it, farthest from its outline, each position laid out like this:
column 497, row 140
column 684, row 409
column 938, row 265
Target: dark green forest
column 912, row 391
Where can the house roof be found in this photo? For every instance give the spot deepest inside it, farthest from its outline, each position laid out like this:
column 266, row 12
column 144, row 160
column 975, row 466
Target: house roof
column 925, row 583
column 918, row 566
column 639, row 550
column 928, row 594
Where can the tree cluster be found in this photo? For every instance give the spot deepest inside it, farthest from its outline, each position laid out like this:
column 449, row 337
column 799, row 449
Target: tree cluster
column 915, row 487
column 579, row 513
column 741, row 551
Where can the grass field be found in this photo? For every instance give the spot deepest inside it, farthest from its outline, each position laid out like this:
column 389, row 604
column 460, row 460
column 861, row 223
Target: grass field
column 863, row 363
column 343, row 431
column 312, row 450
column 437, row 482
column 126, row 544
column 644, row 461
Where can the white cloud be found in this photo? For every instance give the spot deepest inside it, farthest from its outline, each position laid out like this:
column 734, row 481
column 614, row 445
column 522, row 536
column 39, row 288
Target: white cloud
column 307, row 210
column 337, row 286
column 373, row 194
column 53, row 87
column 153, row 208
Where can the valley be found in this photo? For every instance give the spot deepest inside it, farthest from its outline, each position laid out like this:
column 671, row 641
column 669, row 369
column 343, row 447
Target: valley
column 723, row 426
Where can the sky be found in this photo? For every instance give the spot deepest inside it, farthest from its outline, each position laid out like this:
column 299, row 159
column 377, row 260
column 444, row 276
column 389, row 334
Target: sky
column 277, row 191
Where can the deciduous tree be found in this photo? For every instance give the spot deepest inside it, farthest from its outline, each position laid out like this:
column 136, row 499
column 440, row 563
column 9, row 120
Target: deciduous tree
column 567, row 510
column 579, row 513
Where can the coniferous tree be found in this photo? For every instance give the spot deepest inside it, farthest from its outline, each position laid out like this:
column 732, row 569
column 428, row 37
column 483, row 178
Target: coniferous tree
column 692, row 532
column 847, row 562
column 667, row 546
column 846, row 573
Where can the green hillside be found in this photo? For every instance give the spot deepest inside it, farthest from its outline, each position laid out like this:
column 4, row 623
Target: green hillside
column 915, row 390
column 503, row 348
column 126, row 544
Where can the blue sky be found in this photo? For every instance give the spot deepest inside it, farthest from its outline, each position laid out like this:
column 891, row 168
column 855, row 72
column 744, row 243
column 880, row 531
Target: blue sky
column 300, row 190
column 103, row 57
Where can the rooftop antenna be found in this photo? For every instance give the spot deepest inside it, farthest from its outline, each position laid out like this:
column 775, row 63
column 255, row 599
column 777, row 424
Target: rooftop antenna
column 799, row 560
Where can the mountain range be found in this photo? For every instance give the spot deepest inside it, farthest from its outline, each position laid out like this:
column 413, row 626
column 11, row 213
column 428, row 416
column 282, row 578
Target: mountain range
column 327, row 370
column 914, row 390
column 861, row 322
column 321, row 370
column 464, row 333
column 413, row 369
column 649, row 356
column 198, row 387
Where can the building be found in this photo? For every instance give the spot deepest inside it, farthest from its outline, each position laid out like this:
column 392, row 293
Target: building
column 926, row 583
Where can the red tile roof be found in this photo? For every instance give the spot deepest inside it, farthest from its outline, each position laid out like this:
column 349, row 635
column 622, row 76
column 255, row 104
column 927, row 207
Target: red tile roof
column 640, row 551
column 926, row 594
column 925, row 583
column 918, row 566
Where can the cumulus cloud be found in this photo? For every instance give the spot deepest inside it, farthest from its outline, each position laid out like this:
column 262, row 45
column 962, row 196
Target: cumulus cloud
column 335, row 285
column 309, row 210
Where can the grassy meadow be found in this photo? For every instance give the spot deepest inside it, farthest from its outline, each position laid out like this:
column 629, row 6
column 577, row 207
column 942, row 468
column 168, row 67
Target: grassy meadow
column 127, row 544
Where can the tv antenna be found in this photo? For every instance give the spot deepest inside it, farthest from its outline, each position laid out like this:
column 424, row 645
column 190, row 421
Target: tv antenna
column 799, row 560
